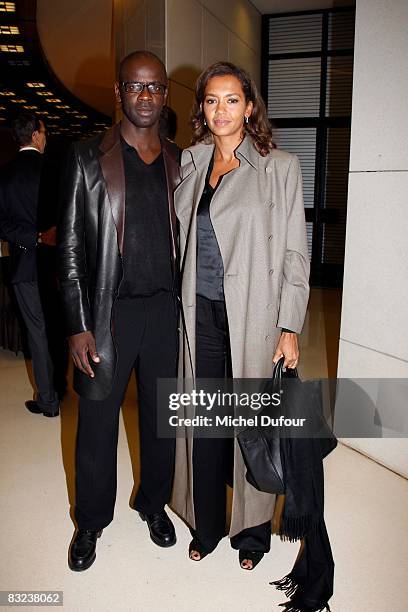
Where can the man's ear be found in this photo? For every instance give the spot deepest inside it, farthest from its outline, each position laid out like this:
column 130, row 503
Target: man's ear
column 117, row 92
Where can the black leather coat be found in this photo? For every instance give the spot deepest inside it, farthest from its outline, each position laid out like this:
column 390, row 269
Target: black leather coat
column 90, row 239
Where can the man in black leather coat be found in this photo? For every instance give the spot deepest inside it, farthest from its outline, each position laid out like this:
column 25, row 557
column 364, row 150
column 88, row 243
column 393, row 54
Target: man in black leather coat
column 118, row 278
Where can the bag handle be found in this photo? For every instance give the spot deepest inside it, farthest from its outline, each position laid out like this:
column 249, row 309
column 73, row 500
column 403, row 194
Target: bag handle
column 279, row 373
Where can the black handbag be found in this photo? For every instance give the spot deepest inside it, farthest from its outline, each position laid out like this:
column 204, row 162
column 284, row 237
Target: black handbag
column 261, row 446
column 261, row 453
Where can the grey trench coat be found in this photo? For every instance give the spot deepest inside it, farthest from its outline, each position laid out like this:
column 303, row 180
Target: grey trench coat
column 258, row 217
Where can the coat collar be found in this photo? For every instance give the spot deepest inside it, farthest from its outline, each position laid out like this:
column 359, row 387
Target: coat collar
column 247, row 151
column 201, row 154
column 113, row 170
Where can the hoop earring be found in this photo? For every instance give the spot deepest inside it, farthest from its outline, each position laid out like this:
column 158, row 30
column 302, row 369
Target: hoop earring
column 205, row 123
column 246, row 119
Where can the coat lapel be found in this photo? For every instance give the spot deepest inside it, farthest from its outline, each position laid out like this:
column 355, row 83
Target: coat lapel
column 113, row 171
column 194, row 169
column 172, row 169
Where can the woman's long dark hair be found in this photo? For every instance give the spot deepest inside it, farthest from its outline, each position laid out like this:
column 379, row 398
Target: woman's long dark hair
column 258, row 127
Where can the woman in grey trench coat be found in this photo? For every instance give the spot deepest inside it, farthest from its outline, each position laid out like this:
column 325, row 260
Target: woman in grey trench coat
column 245, row 271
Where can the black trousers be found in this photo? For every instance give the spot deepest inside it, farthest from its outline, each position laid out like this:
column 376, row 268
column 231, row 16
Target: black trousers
column 28, row 298
column 146, row 340
column 213, row 457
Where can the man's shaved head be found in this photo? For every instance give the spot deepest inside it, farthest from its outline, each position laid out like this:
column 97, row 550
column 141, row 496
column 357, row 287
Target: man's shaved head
column 142, row 109
column 140, row 55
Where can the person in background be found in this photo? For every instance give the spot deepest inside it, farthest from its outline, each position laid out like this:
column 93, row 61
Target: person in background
column 19, row 201
column 245, row 264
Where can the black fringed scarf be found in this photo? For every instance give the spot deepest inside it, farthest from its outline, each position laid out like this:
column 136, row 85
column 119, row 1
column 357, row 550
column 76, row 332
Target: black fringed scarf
column 309, row 585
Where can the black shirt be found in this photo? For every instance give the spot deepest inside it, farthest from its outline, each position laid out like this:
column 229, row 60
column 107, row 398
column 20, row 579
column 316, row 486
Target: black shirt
column 146, row 244
column 210, row 267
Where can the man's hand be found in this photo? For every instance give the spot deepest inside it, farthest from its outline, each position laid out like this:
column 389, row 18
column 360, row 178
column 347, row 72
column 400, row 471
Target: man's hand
column 287, row 348
column 49, row 236
column 80, row 345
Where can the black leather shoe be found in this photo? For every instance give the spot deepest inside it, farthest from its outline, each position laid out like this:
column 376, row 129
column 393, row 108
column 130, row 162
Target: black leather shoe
column 161, row 528
column 82, row 552
column 33, row 407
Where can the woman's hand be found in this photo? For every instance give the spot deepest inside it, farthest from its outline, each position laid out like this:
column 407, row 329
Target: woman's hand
column 288, row 348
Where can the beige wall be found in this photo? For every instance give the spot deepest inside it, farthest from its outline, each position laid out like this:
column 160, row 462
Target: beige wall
column 81, row 31
column 139, row 24
column 201, row 32
column 374, row 327
column 188, row 35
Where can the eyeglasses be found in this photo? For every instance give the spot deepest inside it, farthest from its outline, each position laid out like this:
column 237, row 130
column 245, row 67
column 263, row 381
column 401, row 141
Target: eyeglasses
column 136, row 87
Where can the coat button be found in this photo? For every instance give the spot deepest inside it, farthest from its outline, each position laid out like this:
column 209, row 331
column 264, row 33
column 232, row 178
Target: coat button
column 268, row 169
column 267, row 338
column 270, row 236
column 269, row 306
column 271, row 272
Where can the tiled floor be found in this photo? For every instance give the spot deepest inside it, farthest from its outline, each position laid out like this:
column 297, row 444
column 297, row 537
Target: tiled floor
column 365, row 513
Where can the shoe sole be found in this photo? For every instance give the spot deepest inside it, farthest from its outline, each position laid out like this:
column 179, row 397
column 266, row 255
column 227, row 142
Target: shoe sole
column 51, row 414
column 158, row 542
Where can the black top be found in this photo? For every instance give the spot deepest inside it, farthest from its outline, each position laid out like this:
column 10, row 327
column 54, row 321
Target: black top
column 210, row 267
column 146, row 244
column 19, row 189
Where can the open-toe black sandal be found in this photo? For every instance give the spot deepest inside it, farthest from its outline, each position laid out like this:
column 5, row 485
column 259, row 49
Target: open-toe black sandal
column 250, row 555
column 196, row 546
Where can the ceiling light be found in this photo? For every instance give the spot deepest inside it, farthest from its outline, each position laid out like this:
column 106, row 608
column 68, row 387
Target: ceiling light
column 7, row 7
column 6, row 29
column 53, row 117
column 44, row 93
column 19, row 101
column 35, row 85
column 18, row 62
column 82, row 117
column 7, row 93
column 61, row 106
column 12, row 48
column 53, row 100
column 41, row 113
column 30, row 107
